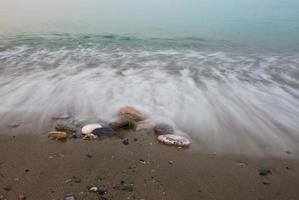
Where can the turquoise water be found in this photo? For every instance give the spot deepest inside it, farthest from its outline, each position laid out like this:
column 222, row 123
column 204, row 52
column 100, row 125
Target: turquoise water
column 256, row 25
column 224, row 73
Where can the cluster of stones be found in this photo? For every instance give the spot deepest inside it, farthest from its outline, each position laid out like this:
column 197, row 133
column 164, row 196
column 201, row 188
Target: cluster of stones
column 128, row 118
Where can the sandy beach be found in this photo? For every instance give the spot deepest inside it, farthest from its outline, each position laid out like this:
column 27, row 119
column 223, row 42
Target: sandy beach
column 143, row 169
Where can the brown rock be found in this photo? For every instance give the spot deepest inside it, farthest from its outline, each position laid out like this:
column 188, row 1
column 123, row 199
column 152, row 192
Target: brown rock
column 131, row 113
column 21, row 197
column 58, row 135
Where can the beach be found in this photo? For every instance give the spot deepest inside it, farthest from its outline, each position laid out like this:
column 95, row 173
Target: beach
column 143, row 169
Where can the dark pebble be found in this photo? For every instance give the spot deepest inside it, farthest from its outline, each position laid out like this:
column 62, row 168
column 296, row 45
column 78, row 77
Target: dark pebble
column 135, row 139
column 266, row 183
column 26, row 170
column 264, row 171
column 128, row 188
column 103, row 131
column 7, row 188
column 76, row 179
column 88, row 156
column 126, row 141
column 103, row 190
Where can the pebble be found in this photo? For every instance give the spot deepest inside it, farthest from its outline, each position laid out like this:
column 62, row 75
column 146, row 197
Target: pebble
column 13, row 125
column 61, row 117
column 70, row 196
column 21, row 197
column 90, row 136
column 170, row 162
column 163, row 129
column 87, row 129
column 58, row 135
column 266, row 183
column 131, row 113
column 103, row 190
column 175, row 140
column 93, row 189
column 77, row 135
column 123, row 124
column 103, row 131
column 126, row 141
column 145, row 126
column 7, row 188
column 263, row 171
column 63, row 127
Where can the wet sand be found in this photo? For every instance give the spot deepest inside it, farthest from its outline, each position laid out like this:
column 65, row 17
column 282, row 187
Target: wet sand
column 143, row 169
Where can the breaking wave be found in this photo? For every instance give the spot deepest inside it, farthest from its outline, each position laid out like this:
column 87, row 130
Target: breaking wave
column 222, row 100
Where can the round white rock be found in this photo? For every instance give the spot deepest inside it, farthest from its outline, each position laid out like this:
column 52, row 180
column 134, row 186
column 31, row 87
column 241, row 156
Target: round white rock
column 87, row 129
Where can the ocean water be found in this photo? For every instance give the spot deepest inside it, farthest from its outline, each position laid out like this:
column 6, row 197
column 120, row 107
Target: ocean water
column 224, row 73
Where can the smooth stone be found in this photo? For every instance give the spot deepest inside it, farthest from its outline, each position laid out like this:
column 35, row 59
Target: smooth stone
column 58, row 135
column 93, row 189
column 103, row 131
column 89, row 128
column 90, row 136
column 145, row 125
column 131, row 113
column 70, row 196
column 264, row 171
column 163, row 129
column 123, row 124
column 61, row 117
column 77, row 135
column 65, row 128
column 175, row 140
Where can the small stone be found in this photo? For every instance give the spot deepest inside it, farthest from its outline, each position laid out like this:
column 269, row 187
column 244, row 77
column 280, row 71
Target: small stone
column 93, row 189
column 7, row 188
column 142, row 161
column 288, row 168
column 163, row 129
column 70, row 196
column 64, row 127
column 87, row 129
column 103, row 131
column 170, row 162
column 241, row 164
column 135, row 139
column 123, row 124
column 266, row 183
column 263, row 171
column 128, row 188
column 76, row 179
column 77, row 135
column 126, row 141
column 13, row 125
column 103, row 190
column 131, row 113
column 288, row 152
column 145, row 126
column 21, row 197
column 58, row 135
column 88, row 155
column 90, row 136
column 61, row 117
column 27, row 170
column 175, row 140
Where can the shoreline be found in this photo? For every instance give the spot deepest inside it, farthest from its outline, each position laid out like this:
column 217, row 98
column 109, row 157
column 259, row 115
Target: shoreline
column 47, row 169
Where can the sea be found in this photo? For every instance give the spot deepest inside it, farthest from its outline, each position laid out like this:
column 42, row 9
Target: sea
column 224, row 73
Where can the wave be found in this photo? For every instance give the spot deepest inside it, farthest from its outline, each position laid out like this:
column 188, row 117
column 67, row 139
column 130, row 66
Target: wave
column 225, row 101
